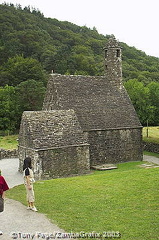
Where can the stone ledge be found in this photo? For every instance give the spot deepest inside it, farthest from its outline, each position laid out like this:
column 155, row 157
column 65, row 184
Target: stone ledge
column 149, row 165
column 104, row 167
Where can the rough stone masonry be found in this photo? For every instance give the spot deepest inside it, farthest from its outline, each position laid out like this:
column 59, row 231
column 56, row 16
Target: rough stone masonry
column 85, row 121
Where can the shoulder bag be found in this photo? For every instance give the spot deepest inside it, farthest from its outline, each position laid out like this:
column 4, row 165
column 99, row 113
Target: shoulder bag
column 1, row 204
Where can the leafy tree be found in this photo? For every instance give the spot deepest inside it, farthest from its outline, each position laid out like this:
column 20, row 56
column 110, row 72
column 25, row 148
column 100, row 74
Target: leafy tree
column 30, row 95
column 82, row 60
column 19, row 69
column 27, row 96
column 140, row 97
column 154, row 99
column 9, row 112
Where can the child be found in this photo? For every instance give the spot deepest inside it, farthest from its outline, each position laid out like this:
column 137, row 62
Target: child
column 3, row 187
column 28, row 182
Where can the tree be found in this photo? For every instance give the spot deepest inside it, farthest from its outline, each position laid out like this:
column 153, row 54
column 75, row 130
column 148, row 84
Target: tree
column 19, row 69
column 82, row 60
column 154, row 98
column 30, row 95
column 9, row 112
column 27, row 96
column 140, row 97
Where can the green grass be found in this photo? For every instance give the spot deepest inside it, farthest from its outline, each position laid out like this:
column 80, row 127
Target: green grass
column 151, row 154
column 8, row 142
column 124, row 200
column 153, row 134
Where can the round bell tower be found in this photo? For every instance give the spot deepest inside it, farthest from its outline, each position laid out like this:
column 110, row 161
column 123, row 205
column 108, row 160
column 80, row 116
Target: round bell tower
column 113, row 61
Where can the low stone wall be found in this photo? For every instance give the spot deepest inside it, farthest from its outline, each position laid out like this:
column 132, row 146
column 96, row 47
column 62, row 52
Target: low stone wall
column 115, row 146
column 151, row 147
column 64, row 162
column 8, row 153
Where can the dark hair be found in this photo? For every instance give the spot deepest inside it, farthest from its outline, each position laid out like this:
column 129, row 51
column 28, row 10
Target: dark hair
column 27, row 163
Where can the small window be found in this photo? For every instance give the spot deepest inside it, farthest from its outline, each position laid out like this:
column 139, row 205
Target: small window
column 118, row 53
column 106, row 53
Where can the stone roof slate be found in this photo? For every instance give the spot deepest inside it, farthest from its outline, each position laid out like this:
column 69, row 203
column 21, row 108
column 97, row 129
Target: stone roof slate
column 98, row 103
column 50, row 129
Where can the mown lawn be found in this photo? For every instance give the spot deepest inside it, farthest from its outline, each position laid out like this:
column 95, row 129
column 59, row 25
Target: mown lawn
column 124, row 200
column 151, row 134
column 9, row 142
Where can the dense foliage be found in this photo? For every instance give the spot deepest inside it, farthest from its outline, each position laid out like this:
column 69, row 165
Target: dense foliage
column 32, row 46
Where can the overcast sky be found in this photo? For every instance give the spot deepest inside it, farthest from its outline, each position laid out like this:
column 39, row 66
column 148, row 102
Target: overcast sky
column 135, row 22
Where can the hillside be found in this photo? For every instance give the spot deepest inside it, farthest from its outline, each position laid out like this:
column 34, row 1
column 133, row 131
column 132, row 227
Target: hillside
column 65, row 47
column 32, row 46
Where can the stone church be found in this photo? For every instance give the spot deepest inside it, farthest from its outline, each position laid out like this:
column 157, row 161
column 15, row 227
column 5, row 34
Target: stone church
column 85, row 121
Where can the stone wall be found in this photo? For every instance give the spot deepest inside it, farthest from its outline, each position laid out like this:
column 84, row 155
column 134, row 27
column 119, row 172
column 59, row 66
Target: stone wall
column 63, row 162
column 8, row 153
column 114, row 146
column 80, row 111
column 55, row 142
column 151, row 147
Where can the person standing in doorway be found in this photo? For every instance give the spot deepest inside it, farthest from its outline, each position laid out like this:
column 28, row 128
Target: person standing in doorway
column 3, row 187
column 28, row 182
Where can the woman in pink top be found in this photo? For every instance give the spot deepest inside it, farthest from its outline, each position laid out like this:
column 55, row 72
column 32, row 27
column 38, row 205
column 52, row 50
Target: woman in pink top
column 3, row 187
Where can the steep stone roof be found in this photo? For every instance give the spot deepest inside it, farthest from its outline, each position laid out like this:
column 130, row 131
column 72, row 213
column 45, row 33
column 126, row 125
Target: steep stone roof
column 50, row 129
column 98, row 102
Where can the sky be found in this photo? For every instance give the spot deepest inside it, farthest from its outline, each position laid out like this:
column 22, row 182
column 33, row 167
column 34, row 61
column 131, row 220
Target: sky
column 134, row 22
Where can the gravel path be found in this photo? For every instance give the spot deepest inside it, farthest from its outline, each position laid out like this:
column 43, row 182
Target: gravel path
column 151, row 159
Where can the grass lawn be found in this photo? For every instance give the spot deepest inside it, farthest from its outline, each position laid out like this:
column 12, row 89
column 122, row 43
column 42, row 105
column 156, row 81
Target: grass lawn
column 125, row 200
column 151, row 154
column 8, row 142
column 153, row 134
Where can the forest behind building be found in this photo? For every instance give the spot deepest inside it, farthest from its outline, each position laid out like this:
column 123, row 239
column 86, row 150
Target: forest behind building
column 32, row 47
